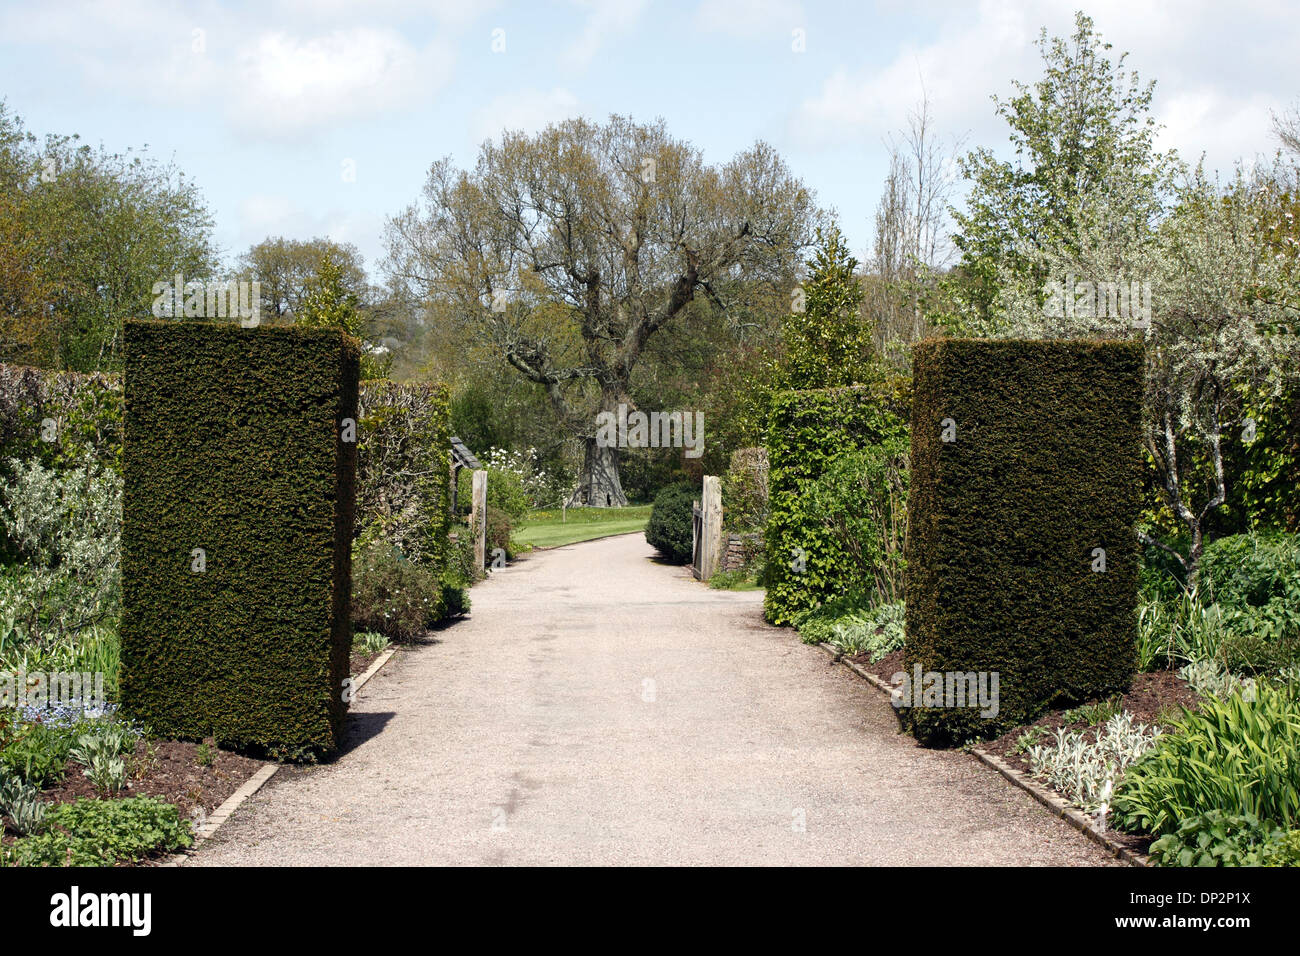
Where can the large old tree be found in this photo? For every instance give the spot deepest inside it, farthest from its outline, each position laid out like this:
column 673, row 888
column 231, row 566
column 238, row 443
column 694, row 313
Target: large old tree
column 567, row 250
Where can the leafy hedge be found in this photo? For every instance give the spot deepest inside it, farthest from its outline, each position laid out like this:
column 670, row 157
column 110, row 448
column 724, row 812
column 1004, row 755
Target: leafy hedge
column 404, row 467
column 1045, row 467
column 670, row 527
column 60, row 419
column 807, row 431
column 233, row 443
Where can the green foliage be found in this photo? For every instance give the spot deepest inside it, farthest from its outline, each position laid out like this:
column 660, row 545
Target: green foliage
column 497, row 533
column 38, row 753
column 21, row 802
column 744, row 491
column 1084, row 139
column 370, row 642
column 806, row 558
column 331, row 302
column 670, row 528
column 505, row 492
column 827, row 342
column 1044, row 468
column 393, row 595
column 1216, row 838
column 862, row 500
column 1282, row 850
column 1238, row 755
column 876, row 632
column 103, row 833
column 1252, row 570
column 1085, row 765
column 84, row 235
column 60, row 419
column 233, row 444
column 64, row 527
column 100, row 750
column 404, row 467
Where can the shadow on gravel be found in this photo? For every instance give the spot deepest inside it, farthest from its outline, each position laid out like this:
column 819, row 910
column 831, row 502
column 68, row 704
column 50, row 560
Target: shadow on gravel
column 360, row 728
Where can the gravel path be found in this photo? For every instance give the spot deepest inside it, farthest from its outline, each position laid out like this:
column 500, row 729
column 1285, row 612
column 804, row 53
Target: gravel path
column 601, row 708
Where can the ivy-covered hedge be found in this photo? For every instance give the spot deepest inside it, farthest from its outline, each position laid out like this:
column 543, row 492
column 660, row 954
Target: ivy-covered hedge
column 1043, row 466
column 404, row 467
column 806, row 431
column 233, row 444
column 60, row 418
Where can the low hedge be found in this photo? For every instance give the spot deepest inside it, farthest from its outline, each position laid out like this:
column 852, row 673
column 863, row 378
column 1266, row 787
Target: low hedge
column 670, row 526
column 807, row 430
column 234, row 444
column 1044, row 466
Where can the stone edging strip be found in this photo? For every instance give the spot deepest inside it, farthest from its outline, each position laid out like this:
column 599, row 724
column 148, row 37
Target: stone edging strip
column 258, row 780
column 1076, row 818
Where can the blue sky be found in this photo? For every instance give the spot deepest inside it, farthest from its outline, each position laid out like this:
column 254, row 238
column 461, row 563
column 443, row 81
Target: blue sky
column 264, row 103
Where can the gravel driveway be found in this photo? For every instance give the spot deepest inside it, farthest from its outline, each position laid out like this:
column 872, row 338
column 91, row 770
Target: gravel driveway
column 599, row 707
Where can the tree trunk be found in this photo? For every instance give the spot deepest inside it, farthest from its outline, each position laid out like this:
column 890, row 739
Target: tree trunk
column 598, row 485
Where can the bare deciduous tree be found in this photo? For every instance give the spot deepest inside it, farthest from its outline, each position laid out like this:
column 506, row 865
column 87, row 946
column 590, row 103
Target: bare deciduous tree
column 568, row 250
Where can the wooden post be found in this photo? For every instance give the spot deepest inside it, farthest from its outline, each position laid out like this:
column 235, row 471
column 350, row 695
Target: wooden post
column 478, row 518
column 711, row 526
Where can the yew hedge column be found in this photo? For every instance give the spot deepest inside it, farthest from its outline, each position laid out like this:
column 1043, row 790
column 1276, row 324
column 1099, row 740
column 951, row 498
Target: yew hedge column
column 239, row 464
column 1022, row 553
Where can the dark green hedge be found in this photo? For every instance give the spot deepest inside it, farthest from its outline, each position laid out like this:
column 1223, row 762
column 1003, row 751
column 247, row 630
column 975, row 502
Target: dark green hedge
column 232, row 443
column 806, row 431
column 1046, row 466
column 670, row 528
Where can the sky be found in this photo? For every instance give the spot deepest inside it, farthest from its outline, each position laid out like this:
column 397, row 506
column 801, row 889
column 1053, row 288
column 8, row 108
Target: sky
column 303, row 119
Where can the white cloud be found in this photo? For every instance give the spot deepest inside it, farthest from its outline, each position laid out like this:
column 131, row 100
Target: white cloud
column 605, row 18
column 287, row 86
column 978, row 52
column 526, row 110
column 749, row 18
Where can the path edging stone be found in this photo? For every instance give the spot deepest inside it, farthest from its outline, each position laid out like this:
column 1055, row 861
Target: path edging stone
column 258, row 780
column 1059, row 806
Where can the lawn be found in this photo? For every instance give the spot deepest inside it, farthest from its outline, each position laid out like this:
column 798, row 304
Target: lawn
column 550, row 529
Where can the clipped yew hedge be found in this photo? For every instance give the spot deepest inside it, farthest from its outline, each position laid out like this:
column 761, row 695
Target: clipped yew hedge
column 233, row 444
column 806, row 431
column 1045, row 467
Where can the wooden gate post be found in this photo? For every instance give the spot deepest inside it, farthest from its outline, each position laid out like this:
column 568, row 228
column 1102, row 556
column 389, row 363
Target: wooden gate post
column 711, row 526
column 478, row 517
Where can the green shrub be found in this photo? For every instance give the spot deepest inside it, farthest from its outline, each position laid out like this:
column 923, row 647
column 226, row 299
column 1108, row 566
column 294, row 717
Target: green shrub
column 1282, row 850
column 21, row 803
column 807, row 431
column 497, row 534
column 506, row 491
column 1006, row 520
column 1235, row 754
column 38, row 753
column 104, row 832
column 403, row 463
column 876, row 632
column 744, row 491
column 670, row 526
column 862, row 500
column 1216, row 838
column 393, row 595
column 64, row 526
column 817, row 624
column 235, row 443
column 461, row 571
column 1252, row 570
